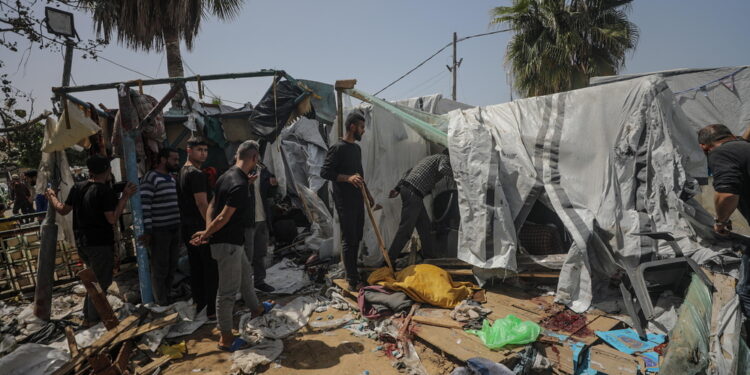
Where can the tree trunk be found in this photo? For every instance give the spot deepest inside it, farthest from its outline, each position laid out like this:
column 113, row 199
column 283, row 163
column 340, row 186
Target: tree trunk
column 174, row 61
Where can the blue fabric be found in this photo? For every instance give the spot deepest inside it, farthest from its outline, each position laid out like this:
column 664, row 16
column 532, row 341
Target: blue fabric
column 41, row 203
column 628, row 342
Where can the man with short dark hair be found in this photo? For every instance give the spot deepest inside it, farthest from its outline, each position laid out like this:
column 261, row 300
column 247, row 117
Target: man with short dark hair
column 40, row 201
column 343, row 166
column 261, row 186
column 413, row 187
column 225, row 234
column 95, row 210
column 161, row 222
column 194, row 195
column 729, row 162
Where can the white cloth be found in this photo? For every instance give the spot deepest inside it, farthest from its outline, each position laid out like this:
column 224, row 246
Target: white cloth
column 260, row 213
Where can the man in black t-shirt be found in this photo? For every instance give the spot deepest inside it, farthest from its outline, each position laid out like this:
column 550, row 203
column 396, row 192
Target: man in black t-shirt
column 194, row 193
column 729, row 162
column 95, row 210
column 226, row 236
column 343, row 166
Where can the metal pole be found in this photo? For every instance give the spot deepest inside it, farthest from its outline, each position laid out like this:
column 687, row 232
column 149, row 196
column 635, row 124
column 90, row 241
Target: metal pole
column 45, row 270
column 455, row 65
column 131, row 171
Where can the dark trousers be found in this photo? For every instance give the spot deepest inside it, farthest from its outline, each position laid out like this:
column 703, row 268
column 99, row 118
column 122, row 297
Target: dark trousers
column 23, row 207
column 256, row 248
column 164, row 254
column 204, row 274
column 101, row 260
column 413, row 214
column 351, row 220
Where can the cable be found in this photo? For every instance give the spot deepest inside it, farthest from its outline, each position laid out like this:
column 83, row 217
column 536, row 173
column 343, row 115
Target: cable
column 436, row 53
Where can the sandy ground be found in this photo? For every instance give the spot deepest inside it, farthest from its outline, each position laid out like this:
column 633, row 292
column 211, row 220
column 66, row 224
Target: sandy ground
column 308, row 352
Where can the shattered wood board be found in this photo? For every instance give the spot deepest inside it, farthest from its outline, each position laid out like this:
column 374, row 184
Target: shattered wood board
column 352, row 296
column 561, row 356
column 599, row 323
column 461, row 345
column 611, row 361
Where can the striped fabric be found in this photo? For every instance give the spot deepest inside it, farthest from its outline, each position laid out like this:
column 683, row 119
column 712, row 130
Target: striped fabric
column 159, row 201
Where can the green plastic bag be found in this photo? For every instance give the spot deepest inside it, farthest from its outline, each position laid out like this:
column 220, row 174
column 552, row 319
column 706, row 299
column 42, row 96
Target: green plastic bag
column 505, row 331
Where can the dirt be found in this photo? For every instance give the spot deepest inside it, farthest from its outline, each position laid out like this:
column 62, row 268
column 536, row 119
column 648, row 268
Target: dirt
column 308, row 352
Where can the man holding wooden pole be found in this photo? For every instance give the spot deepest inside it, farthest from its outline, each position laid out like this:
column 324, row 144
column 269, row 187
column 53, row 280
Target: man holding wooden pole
column 343, row 166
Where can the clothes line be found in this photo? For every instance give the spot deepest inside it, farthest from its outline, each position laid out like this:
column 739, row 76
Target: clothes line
column 703, row 86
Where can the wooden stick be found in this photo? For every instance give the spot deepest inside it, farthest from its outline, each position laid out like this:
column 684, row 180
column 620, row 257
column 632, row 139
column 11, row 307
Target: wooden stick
column 146, row 328
column 98, row 298
column 149, row 368
column 437, row 322
column 381, row 243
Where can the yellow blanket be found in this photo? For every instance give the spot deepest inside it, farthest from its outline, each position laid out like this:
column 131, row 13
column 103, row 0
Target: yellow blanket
column 424, row 283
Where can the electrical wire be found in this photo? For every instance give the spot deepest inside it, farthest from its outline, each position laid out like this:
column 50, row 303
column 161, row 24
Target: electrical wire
column 437, row 53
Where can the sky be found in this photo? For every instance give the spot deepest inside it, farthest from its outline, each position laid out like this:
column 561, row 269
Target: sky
column 378, row 41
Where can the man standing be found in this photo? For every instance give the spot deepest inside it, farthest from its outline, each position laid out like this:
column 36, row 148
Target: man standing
column 418, row 182
column 225, row 233
column 161, row 222
column 343, row 166
column 40, row 202
column 729, row 161
column 21, row 196
column 261, row 184
column 95, row 210
column 194, row 195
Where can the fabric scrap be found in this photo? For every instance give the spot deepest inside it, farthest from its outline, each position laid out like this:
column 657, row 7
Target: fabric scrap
column 377, row 302
column 628, row 342
column 279, row 322
column 263, row 353
column 424, row 283
column 286, row 277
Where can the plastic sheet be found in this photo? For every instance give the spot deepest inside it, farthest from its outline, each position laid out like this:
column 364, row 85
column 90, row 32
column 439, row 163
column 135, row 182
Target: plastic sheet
column 689, row 341
column 506, row 331
column 33, row 359
column 279, row 322
column 262, row 353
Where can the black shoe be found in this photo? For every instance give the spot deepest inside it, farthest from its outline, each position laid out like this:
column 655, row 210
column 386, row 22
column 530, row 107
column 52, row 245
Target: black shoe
column 265, row 288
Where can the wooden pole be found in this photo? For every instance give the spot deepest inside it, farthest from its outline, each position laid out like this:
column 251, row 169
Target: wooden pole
column 381, row 243
column 161, row 81
column 98, row 298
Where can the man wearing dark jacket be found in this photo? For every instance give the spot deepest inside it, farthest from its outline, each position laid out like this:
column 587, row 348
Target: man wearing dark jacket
column 729, row 162
column 343, row 166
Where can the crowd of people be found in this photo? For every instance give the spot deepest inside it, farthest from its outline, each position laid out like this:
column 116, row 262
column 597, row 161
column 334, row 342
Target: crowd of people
column 223, row 226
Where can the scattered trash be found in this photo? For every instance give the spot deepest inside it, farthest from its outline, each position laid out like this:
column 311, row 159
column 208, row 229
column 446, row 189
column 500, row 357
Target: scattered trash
column 508, row 330
column 482, row 366
column 176, row 351
column 279, row 322
column 333, row 323
column 286, row 277
column 262, row 353
column 628, row 342
column 330, row 316
column 469, row 310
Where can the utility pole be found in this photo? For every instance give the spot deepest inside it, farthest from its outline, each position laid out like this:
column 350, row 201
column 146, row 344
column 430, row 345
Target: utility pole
column 48, row 244
column 454, row 67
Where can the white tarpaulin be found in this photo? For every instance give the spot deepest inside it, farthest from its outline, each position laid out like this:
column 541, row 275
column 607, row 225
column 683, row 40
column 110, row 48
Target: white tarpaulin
column 598, row 156
column 706, row 96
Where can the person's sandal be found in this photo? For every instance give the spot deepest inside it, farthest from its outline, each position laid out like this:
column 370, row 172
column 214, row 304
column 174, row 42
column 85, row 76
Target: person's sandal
column 237, row 344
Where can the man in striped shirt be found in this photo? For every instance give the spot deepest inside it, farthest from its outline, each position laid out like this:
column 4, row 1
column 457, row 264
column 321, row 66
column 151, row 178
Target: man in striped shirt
column 161, row 222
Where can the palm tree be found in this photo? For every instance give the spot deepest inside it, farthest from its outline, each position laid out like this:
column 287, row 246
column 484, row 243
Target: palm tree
column 559, row 44
column 157, row 25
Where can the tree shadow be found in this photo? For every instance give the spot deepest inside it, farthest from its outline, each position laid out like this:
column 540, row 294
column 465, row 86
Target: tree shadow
column 316, row 354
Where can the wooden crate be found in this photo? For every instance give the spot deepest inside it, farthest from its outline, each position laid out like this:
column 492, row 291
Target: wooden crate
column 31, row 238
column 15, row 254
column 11, row 242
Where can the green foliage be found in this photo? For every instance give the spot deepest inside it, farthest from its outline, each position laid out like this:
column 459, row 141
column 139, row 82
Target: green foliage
column 559, row 44
column 143, row 24
column 22, row 148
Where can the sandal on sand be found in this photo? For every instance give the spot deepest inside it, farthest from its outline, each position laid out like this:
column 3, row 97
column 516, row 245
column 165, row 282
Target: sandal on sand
column 238, row 344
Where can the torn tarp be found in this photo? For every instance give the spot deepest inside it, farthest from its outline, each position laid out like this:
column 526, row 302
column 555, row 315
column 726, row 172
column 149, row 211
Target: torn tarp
column 278, row 323
column 275, row 109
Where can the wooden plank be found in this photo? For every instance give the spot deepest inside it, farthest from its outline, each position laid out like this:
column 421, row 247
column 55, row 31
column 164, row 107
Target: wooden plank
column 151, row 367
column 123, row 357
column 596, row 323
column 437, row 322
column 461, row 345
column 146, row 328
column 98, row 298
column 100, row 343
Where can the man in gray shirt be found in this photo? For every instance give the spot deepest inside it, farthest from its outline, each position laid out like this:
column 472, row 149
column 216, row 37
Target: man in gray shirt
column 418, row 182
